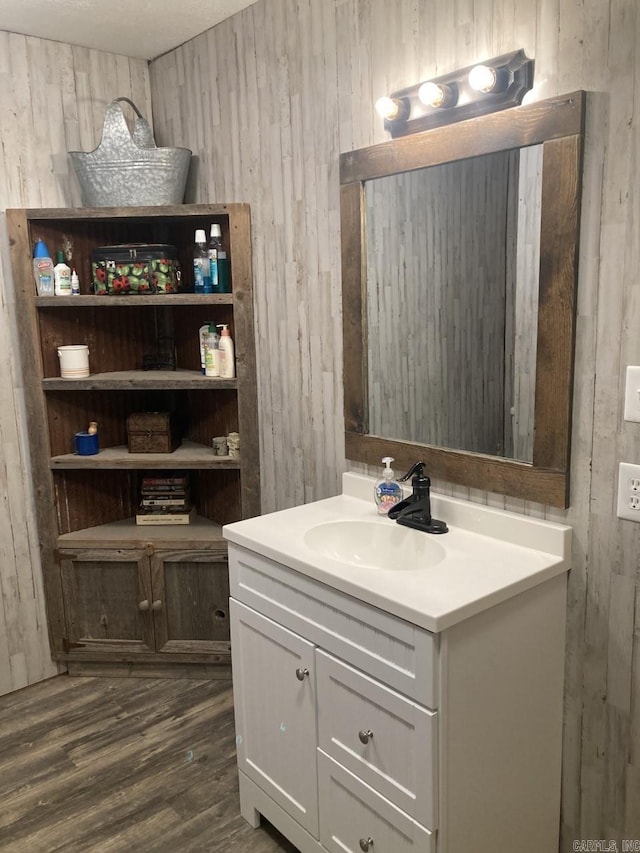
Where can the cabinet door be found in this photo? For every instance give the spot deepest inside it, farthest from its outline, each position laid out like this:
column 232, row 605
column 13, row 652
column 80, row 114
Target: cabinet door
column 107, row 596
column 190, row 601
column 274, row 697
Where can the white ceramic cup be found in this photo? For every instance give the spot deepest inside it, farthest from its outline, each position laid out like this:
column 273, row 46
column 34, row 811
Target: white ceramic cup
column 74, row 361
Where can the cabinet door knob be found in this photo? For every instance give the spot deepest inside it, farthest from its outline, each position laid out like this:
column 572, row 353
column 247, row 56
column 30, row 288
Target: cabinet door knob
column 365, row 737
column 157, row 605
column 143, row 605
column 366, row 843
column 301, row 673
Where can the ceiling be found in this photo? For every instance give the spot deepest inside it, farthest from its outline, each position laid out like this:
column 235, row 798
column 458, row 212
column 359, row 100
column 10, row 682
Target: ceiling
column 143, row 29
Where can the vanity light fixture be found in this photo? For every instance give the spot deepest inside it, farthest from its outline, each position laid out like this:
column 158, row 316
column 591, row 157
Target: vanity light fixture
column 393, row 109
column 437, row 95
column 495, row 84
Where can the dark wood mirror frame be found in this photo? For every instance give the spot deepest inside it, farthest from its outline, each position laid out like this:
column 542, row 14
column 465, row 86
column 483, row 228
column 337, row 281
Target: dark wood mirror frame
column 557, row 124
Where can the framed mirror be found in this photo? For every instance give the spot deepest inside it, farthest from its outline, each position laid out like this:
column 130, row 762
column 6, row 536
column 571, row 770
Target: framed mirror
column 459, row 273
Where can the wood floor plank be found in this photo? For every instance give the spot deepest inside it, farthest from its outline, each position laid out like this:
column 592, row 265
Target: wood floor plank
column 110, row 765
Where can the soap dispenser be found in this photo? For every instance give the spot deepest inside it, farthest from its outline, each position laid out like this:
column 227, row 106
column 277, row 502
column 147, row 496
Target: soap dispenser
column 387, row 492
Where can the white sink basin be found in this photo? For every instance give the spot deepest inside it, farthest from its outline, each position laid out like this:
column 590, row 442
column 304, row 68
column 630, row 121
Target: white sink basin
column 375, row 545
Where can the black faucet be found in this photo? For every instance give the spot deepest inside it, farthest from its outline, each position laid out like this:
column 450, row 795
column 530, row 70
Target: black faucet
column 416, row 511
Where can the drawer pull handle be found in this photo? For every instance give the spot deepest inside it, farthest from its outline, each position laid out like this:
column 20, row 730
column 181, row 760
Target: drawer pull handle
column 301, row 673
column 157, row 605
column 365, row 737
column 143, row 605
column 365, row 844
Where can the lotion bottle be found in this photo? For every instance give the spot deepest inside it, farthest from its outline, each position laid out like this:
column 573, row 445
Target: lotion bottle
column 202, row 332
column 211, row 352
column 387, row 492
column 61, row 276
column 226, row 353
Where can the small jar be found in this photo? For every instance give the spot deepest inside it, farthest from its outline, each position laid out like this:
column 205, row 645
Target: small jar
column 219, row 444
column 233, row 440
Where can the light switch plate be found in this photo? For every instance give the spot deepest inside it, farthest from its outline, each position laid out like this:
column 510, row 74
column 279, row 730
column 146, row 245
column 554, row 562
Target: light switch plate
column 632, row 395
column 629, row 492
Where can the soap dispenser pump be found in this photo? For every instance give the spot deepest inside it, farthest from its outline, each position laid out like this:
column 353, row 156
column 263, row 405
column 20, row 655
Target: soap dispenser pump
column 387, row 492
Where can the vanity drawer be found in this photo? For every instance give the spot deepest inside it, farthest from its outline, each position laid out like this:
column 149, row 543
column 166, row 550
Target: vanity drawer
column 394, row 651
column 389, row 741
column 352, row 814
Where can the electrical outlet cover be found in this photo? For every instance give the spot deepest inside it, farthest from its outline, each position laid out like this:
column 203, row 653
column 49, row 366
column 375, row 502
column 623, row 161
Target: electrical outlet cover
column 629, row 491
column 632, row 394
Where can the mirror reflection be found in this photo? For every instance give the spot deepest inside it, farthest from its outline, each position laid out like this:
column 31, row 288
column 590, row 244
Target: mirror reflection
column 452, row 268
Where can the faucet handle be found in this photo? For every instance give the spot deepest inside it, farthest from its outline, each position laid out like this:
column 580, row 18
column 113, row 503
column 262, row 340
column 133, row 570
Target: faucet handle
column 420, row 483
column 418, row 469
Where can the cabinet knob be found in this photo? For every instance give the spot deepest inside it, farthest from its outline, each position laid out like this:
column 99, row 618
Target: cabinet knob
column 365, row 737
column 301, row 673
column 143, row 605
column 366, row 843
column 157, row 605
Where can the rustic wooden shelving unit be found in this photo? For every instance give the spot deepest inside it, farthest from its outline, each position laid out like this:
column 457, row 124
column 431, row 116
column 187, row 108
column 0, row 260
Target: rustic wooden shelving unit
column 123, row 598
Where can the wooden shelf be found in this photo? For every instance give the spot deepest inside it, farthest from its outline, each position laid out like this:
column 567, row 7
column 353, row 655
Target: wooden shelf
column 188, row 455
column 201, row 533
column 98, row 566
column 135, row 380
column 168, row 300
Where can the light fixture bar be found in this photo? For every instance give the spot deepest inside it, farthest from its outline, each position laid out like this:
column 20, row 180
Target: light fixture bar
column 495, row 84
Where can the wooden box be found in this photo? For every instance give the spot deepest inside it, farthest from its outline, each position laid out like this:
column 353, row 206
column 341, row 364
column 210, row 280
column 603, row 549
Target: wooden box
column 152, row 432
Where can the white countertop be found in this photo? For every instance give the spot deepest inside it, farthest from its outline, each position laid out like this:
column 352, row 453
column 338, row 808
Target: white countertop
column 490, row 555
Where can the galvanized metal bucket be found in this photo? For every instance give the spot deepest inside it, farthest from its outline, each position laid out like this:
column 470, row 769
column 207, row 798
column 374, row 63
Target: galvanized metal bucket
column 128, row 169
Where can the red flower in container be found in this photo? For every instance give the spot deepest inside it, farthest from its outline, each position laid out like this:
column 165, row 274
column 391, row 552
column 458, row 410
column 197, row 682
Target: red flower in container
column 101, row 274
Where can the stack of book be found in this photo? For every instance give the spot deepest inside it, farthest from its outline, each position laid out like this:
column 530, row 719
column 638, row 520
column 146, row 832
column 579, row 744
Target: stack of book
column 165, row 500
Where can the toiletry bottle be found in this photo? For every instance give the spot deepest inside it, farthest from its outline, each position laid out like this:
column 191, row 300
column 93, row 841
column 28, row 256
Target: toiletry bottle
column 214, row 246
column 75, row 284
column 226, row 353
column 61, row 276
column 223, row 265
column 387, row 492
column 211, row 352
column 43, row 269
column 201, row 270
column 218, row 260
column 202, row 331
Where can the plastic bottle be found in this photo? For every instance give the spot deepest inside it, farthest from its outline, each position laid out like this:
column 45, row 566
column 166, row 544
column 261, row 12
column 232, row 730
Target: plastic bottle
column 43, row 269
column 202, row 331
column 226, row 353
column 215, row 244
column 387, row 492
column 201, row 268
column 61, row 276
column 211, row 352
column 75, row 284
column 218, row 261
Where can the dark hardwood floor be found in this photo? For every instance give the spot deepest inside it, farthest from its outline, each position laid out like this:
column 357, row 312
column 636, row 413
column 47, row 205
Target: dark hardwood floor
column 99, row 765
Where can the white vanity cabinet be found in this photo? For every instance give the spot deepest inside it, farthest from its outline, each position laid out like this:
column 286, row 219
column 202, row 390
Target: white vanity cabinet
column 358, row 730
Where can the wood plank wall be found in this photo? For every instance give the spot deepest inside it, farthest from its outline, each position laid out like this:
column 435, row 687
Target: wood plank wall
column 52, row 100
column 268, row 100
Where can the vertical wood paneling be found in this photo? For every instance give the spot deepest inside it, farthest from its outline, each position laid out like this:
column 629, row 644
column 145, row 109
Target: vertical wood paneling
column 52, row 100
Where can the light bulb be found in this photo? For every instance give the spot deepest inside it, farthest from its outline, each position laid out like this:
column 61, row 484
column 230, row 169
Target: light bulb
column 437, row 95
column 388, row 108
column 482, row 78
